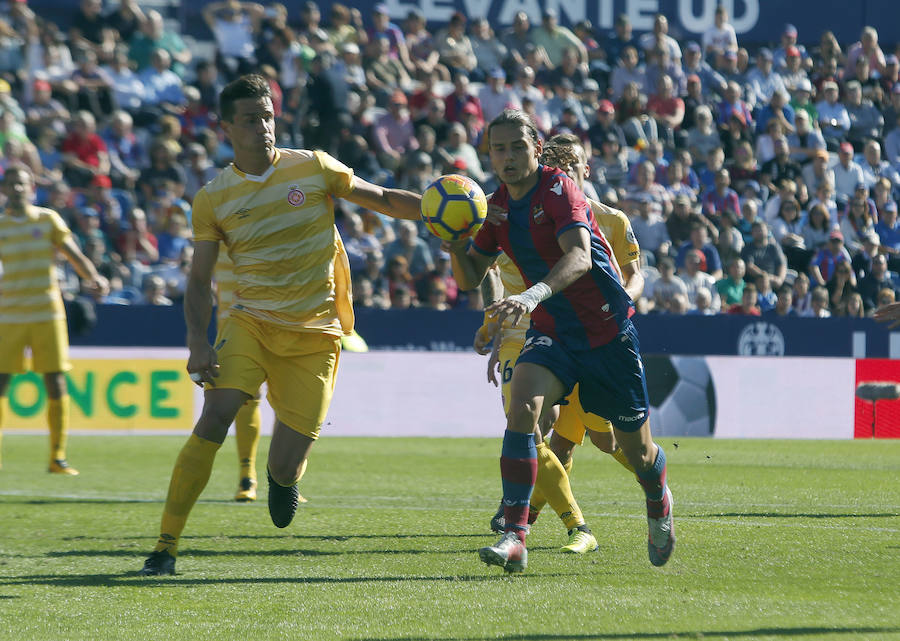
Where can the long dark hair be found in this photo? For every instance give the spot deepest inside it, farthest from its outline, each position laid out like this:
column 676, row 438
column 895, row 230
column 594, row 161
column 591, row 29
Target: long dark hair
column 516, row 118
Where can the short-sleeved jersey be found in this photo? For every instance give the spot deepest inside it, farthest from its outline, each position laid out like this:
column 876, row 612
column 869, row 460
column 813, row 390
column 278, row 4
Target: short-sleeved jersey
column 279, row 232
column 591, row 311
column 613, row 224
column 29, row 291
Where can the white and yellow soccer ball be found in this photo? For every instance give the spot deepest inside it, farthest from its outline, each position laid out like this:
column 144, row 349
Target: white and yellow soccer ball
column 453, row 207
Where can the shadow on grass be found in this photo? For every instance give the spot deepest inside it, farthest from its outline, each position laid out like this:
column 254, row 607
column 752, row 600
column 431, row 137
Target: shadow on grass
column 132, row 580
column 799, row 515
column 240, row 552
column 283, row 537
column 691, row 634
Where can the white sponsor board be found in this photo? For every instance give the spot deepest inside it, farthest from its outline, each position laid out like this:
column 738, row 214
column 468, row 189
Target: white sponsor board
column 447, row 394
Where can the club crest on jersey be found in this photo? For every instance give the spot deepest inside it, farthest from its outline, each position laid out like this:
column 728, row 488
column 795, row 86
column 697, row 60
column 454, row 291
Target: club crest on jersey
column 296, row 196
column 537, row 214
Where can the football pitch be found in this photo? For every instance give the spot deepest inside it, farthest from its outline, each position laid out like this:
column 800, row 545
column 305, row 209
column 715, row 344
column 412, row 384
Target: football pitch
column 776, row 540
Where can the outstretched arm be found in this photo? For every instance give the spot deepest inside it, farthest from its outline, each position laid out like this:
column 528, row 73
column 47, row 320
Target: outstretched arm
column 397, row 203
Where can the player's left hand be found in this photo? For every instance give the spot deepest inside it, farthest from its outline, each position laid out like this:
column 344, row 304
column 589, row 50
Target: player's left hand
column 495, row 214
column 889, row 313
column 507, row 308
column 483, row 337
column 99, row 285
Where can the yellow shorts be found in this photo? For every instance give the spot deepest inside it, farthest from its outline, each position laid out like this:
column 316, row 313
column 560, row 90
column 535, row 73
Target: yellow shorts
column 573, row 420
column 49, row 343
column 509, row 353
column 299, row 367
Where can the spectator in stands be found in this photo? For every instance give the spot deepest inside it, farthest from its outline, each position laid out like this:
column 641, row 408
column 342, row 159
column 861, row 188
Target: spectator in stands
column 163, row 91
column 610, row 169
column 234, row 25
column 841, row 286
column 45, row 111
column 659, row 38
column 834, row 120
column 412, row 248
column 866, row 122
column 648, row 225
column 732, row 104
column 675, row 180
column 554, row 39
column 126, row 153
column 605, row 126
column 198, row 170
column 763, row 81
column 623, row 37
column 801, row 294
column 888, row 229
column 805, row 142
column 847, row 173
column 489, row 51
column 631, row 115
column 137, row 245
column 765, row 297
column 703, row 137
column 823, row 264
column 126, row 21
column 461, row 96
column 780, row 168
column 155, row 291
column 696, row 281
column 393, row 132
column 434, row 120
column 763, row 254
column 800, row 100
column 748, row 305
column 866, row 47
column 816, row 228
column 152, row 36
column 818, row 171
column 667, row 285
column 856, row 223
column 455, row 48
column 84, row 152
column 666, row 109
column 516, row 39
column 878, row 279
column 731, row 288
column 784, row 303
column 89, row 30
column 683, row 218
column 720, row 37
column 495, row 96
column 873, row 167
column 93, row 85
column 792, row 72
column 357, row 241
column 818, row 304
column 721, row 199
column 626, row 72
column 699, row 241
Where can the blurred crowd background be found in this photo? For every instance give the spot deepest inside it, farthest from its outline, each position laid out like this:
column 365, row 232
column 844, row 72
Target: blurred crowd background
column 760, row 181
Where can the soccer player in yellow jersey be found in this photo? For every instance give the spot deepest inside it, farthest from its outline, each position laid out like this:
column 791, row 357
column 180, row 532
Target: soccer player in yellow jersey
column 570, row 420
column 31, row 307
column 274, row 211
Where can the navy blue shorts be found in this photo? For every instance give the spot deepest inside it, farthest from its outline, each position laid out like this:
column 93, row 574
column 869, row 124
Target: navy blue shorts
column 610, row 377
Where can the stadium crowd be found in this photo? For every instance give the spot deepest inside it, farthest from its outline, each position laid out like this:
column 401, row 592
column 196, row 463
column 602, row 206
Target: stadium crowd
column 755, row 184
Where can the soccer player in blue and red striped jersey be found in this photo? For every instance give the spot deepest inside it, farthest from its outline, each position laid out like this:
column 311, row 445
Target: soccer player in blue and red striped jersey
column 580, row 331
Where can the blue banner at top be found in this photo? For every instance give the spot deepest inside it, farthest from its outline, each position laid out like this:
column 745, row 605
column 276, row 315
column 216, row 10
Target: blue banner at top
column 755, row 21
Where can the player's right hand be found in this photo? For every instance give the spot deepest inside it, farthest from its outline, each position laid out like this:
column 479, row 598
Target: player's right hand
column 203, row 363
column 494, row 365
column 483, row 337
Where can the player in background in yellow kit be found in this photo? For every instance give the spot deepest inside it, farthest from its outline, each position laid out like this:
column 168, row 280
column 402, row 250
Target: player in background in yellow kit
column 31, row 306
column 274, row 210
column 569, row 420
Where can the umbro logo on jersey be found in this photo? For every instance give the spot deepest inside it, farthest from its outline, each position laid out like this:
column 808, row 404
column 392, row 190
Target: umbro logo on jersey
column 557, row 188
column 242, row 213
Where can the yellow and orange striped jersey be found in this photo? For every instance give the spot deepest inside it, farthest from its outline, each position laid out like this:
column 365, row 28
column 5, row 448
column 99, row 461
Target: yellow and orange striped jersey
column 29, row 291
column 615, row 227
column 278, row 230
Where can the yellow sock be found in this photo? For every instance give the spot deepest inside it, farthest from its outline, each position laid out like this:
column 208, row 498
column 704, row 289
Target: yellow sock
column 554, row 484
column 246, row 430
column 3, row 406
column 538, row 500
column 619, row 455
column 191, row 473
column 58, row 420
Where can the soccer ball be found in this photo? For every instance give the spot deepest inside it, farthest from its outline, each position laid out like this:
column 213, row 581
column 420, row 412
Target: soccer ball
column 682, row 395
column 453, row 207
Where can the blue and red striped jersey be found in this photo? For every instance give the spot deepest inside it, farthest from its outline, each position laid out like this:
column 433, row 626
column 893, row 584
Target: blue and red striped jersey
column 591, row 311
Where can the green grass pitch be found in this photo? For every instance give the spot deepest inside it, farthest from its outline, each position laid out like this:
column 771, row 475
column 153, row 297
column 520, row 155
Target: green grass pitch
column 776, row 540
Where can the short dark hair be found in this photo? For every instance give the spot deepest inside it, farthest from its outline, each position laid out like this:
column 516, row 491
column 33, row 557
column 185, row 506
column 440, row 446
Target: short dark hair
column 516, row 118
column 17, row 168
column 248, row 86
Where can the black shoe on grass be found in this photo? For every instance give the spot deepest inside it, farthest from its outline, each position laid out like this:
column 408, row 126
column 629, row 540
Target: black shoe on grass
column 158, row 564
column 283, row 502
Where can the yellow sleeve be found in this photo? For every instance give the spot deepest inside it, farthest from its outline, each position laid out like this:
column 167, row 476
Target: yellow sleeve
column 617, row 228
column 203, row 219
column 61, row 231
column 338, row 176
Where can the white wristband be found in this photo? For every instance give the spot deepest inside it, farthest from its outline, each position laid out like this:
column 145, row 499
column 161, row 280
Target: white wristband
column 535, row 294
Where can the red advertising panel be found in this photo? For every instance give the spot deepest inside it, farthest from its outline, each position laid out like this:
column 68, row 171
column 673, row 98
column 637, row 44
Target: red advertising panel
column 877, row 409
